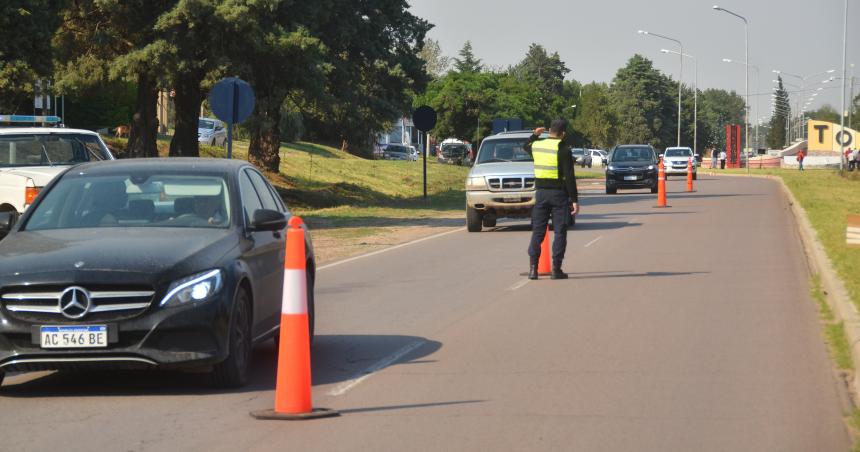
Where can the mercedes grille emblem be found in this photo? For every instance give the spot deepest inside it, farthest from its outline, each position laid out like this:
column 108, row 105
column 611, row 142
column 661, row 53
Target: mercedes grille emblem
column 75, row 302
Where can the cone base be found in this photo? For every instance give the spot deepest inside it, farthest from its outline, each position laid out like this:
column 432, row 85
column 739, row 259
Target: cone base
column 272, row 415
column 662, row 207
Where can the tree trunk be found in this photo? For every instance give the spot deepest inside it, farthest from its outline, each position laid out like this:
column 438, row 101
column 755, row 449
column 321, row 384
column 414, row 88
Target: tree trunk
column 187, row 100
column 143, row 136
column 264, row 149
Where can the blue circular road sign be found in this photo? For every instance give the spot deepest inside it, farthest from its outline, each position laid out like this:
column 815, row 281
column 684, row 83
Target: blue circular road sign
column 232, row 100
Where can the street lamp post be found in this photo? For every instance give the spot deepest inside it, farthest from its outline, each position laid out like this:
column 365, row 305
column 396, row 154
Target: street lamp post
column 746, row 72
column 844, row 57
column 680, row 73
column 758, row 87
column 695, row 97
column 799, row 128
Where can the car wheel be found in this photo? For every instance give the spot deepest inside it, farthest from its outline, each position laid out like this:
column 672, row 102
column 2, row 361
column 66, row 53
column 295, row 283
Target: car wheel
column 489, row 222
column 654, row 189
column 695, row 176
column 589, row 164
column 2, row 375
column 233, row 371
column 611, row 190
column 473, row 220
column 310, row 288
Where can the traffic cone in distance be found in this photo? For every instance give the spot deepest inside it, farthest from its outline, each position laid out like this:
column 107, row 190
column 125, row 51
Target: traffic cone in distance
column 661, row 185
column 293, row 386
column 544, row 267
column 690, row 175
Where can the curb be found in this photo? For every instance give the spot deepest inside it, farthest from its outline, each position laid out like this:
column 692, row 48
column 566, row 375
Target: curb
column 835, row 293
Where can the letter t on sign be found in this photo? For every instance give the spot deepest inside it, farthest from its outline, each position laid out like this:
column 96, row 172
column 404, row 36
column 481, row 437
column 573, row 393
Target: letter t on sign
column 821, row 128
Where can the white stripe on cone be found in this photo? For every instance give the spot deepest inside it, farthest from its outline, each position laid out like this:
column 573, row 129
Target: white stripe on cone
column 295, row 293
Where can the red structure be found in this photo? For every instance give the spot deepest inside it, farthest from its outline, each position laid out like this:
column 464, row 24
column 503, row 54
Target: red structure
column 733, row 146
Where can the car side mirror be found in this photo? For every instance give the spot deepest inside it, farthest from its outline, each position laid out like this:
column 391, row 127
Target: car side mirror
column 7, row 220
column 267, row 220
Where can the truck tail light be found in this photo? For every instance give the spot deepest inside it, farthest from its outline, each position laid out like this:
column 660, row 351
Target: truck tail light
column 30, row 194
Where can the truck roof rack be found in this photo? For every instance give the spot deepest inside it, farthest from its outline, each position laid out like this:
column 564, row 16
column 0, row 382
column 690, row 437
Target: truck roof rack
column 29, row 119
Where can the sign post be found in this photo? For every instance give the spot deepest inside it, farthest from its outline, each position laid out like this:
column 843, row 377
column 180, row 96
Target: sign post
column 424, row 119
column 232, row 100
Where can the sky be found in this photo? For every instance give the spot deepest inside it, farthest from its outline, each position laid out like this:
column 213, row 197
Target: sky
column 596, row 38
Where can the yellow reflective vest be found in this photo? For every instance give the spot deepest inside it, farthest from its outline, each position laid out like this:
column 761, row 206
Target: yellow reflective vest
column 545, row 155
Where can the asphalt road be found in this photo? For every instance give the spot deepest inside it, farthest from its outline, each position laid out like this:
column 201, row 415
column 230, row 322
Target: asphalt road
column 686, row 328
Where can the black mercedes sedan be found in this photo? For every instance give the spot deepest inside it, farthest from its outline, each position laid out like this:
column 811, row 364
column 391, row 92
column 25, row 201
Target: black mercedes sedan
column 145, row 263
column 631, row 166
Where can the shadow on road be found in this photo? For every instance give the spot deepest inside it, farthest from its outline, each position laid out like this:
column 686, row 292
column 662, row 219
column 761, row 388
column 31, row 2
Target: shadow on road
column 335, row 358
column 605, row 275
column 405, row 407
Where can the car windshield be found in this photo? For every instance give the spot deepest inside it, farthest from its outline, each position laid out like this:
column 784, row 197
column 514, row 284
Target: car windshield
column 578, row 152
column 678, row 153
column 507, row 150
column 80, row 200
column 399, row 149
column 642, row 154
column 50, row 149
column 205, row 124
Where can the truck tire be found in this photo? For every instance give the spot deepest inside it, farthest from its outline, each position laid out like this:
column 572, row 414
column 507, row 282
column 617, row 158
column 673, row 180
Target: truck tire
column 695, row 176
column 473, row 220
column 489, row 222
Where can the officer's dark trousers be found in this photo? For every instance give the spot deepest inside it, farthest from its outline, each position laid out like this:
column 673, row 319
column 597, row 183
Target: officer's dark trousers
column 550, row 203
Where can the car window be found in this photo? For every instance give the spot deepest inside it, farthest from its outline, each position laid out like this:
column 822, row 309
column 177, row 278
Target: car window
column 632, row 154
column 678, row 153
column 50, row 149
column 503, row 150
column 205, row 124
column 263, row 191
column 133, row 200
column 250, row 200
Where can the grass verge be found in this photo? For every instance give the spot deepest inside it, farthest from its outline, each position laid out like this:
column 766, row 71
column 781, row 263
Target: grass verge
column 834, row 332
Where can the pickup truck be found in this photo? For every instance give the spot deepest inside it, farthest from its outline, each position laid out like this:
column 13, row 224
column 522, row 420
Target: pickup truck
column 30, row 157
column 502, row 181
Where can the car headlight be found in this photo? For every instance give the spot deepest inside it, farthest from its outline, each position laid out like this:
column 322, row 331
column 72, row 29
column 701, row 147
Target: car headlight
column 476, row 183
column 611, row 167
column 199, row 287
column 651, row 167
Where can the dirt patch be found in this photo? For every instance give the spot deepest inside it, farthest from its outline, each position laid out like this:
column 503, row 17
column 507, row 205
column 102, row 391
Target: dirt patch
column 332, row 245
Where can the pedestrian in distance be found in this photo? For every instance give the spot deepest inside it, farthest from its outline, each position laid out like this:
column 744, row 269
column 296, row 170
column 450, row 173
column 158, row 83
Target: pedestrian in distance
column 855, row 160
column 849, row 160
column 714, row 158
column 800, row 157
column 555, row 195
column 722, row 159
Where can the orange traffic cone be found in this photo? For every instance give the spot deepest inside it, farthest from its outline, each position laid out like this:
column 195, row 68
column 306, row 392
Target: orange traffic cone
column 661, row 185
column 690, row 175
column 293, row 387
column 544, row 267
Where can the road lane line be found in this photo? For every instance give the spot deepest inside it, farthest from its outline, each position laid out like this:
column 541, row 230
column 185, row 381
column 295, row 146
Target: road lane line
column 385, row 250
column 518, row 285
column 344, row 387
column 593, row 241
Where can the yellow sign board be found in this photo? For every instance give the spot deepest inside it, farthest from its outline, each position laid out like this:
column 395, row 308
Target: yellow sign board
column 827, row 136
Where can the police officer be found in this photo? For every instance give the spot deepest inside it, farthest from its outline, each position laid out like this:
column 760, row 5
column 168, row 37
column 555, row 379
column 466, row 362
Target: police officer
column 555, row 197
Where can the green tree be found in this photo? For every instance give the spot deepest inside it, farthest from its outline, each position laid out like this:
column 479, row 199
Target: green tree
column 25, row 50
column 374, row 70
column 643, row 102
column 825, row 113
column 467, row 61
column 776, row 136
column 718, row 108
column 436, row 63
column 462, row 100
column 596, row 119
column 100, row 41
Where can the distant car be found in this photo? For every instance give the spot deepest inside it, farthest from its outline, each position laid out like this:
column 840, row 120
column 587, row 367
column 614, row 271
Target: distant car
column 631, row 166
column 414, row 153
column 212, row 132
column 675, row 161
column 599, row 156
column 397, row 152
column 146, row 263
column 582, row 157
column 455, row 152
column 30, row 157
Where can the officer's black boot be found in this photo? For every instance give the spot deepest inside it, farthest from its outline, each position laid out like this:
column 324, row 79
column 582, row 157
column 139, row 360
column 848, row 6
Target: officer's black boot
column 558, row 273
column 533, row 273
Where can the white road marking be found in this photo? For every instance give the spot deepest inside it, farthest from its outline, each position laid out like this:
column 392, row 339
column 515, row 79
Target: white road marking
column 518, row 285
column 593, row 241
column 374, row 253
column 344, row 387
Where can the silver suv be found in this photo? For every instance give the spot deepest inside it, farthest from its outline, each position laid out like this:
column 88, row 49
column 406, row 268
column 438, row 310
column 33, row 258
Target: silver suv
column 502, row 181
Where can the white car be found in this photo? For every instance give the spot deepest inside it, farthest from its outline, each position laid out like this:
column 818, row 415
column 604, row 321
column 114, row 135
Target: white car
column 211, row 132
column 675, row 161
column 30, row 157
